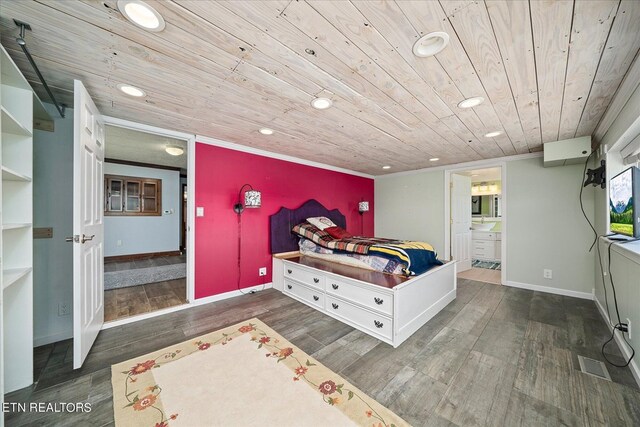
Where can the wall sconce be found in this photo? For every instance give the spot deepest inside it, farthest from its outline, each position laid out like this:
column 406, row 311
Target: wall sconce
column 363, row 207
column 252, row 199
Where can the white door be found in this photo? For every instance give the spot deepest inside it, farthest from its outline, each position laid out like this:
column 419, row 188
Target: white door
column 88, row 224
column 461, row 221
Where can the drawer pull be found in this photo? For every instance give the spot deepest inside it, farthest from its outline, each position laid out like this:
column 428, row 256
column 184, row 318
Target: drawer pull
column 316, row 280
column 334, row 305
column 289, row 286
column 316, row 298
column 334, row 286
column 289, row 271
column 378, row 300
column 378, row 324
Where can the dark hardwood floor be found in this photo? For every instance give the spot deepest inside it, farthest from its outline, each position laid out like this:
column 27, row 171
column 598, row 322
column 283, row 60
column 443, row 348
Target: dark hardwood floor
column 125, row 302
column 495, row 356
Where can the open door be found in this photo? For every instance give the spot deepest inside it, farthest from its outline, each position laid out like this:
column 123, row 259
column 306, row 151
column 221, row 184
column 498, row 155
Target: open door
column 88, row 224
column 461, row 221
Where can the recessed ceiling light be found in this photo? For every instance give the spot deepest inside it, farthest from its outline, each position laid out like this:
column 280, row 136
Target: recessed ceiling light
column 131, row 90
column 266, row 131
column 141, row 15
column 471, row 102
column 492, row 134
column 431, row 44
column 434, row 159
column 386, row 167
column 474, row 174
column 321, row 103
column 174, row 150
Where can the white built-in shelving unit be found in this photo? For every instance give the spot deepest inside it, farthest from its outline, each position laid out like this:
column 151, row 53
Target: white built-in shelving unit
column 18, row 103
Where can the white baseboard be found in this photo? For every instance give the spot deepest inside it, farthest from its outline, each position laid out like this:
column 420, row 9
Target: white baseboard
column 200, row 301
column 550, row 290
column 231, row 294
column 48, row 339
column 635, row 369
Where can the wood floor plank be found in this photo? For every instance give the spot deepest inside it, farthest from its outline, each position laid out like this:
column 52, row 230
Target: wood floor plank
column 547, row 334
column 336, row 356
column 546, row 373
column 444, row 355
column 417, row 398
column 502, row 340
column 525, row 411
column 471, row 319
column 543, row 387
column 609, row 403
column 479, row 393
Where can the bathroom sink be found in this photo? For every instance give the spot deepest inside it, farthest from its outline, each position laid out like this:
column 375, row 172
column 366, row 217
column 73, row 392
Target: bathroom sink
column 486, row 226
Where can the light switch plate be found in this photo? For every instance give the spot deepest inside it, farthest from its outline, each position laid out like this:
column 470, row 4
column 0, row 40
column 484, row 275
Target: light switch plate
column 199, row 211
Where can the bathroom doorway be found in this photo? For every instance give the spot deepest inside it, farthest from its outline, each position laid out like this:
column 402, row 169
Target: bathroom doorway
column 475, row 229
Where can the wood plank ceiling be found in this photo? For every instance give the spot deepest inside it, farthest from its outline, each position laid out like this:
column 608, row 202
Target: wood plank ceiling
column 547, row 69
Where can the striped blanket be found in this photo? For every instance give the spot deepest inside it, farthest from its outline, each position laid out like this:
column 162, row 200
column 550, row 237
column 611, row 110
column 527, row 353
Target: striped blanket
column 417, row 257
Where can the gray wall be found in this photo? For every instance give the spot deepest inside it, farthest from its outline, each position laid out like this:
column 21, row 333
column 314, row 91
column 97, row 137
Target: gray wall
column 145, row 234
column 545, row 225
column 53, row 207
column 411, row 207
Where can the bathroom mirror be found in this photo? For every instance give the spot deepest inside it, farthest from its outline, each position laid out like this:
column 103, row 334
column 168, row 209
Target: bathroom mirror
column 487, row 206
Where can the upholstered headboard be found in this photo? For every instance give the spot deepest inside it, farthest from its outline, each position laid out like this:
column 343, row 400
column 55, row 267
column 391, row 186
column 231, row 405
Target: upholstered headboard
column 281, row 223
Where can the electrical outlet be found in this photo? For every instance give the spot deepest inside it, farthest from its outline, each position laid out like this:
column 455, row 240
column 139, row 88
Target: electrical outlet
column 547, row 274
column 119, row 243
column 63, row 309
column 262, row 271
column 629, row 327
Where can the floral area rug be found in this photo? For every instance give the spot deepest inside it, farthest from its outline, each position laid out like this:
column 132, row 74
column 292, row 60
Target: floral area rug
column 242, row 375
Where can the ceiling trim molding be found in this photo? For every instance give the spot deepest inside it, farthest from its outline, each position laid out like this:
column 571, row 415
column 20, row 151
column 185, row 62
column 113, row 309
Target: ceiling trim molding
column 466, row 165
column 141, row 127
column 264, row 153
column 141, row 164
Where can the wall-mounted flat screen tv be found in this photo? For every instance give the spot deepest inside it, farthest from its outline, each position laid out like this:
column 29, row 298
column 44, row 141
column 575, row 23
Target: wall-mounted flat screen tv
column 624, row 209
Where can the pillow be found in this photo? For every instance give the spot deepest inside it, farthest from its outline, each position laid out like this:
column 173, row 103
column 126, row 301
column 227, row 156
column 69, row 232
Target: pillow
column 321, row 222
column 338, row 233
column 313, row 233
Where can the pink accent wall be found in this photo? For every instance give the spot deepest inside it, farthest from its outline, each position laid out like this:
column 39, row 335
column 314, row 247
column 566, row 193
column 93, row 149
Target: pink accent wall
column 220, row 173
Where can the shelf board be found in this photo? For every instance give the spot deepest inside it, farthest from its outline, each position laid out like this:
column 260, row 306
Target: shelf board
column 11, row 75
column 14, row 226
column 12, row 275
column 11, row 125
column 11, row 175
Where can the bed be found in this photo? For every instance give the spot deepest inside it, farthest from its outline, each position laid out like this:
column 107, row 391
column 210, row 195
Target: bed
column 390, row 307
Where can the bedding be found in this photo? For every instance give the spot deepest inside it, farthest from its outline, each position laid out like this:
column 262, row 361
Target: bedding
column 338, row 233
column 416, row 257
column 384, row 265
column 321, row 222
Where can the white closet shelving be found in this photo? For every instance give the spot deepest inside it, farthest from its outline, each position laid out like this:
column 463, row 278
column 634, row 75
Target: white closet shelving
column 16, row 217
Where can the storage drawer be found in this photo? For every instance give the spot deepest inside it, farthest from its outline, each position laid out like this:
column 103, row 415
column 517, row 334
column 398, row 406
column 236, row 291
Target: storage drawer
column 378, row 301
column 376, row 323
column 483, row 244
column 483, row 253
column 306, row 276
column 482, row 235
column 309, row 295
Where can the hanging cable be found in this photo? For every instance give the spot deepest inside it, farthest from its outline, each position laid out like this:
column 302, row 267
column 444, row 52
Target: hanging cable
column 595, row 233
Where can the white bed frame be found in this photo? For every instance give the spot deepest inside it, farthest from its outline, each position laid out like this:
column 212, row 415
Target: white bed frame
column 403, row 310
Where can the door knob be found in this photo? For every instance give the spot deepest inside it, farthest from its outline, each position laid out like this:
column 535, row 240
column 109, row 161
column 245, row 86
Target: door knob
column 86, row 239
column 74, row 238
